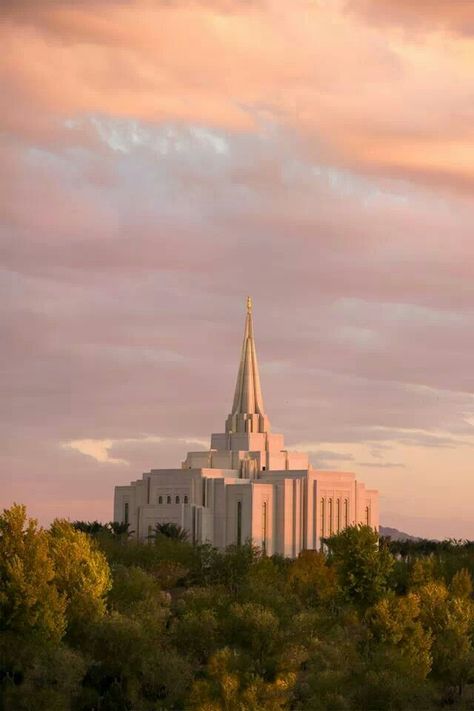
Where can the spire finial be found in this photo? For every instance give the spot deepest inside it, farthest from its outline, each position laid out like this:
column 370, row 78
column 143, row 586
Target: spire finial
column 247, row 413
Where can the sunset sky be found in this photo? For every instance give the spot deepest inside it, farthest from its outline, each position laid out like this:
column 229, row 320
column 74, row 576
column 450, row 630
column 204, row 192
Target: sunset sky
column 162, row 159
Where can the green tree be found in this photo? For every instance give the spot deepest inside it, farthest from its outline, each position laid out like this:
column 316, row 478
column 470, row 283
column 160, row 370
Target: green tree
column 30, row 602
column 131, row 586
column 81, row 574
column 395, row 627
column 169, row 530
column 312, row 579
column 229, row 686
column 256, row 631
column 461, row 584
column 39, row 674
column 450, row 620
column 93, row 528
column 363, row 565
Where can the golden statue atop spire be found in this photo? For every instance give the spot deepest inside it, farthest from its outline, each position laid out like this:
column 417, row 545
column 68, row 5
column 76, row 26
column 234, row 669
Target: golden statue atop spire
column 249, row 304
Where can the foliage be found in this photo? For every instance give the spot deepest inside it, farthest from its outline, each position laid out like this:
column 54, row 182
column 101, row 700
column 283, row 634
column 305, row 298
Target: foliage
column 169, row 530
column 363, row 564
column 92, row 619
column 29, row 601
column 81, row 573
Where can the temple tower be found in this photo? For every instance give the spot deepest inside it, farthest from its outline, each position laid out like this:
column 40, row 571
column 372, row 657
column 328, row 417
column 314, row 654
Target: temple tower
column 248, row 414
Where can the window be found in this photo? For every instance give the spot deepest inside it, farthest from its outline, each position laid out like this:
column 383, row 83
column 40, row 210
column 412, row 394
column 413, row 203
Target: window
column 346, row 513
column 338, row 514
column 239, row 523
column 331, row 518
column 367, row 515
column 264, row 527
column 177, row 500
column 323, row 517
column 203, row 492
column 148, row 484
column 263, row 469
column 185, row 499
column 168, row 499
column 125, row 512
column 160, row 499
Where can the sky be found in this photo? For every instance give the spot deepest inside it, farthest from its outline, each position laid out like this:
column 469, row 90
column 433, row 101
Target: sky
column 162, row 159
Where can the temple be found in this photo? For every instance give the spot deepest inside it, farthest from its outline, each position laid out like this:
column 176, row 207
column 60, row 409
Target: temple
column 247, row 486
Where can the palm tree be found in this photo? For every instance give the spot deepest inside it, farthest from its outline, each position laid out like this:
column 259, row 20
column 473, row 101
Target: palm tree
column 121, row 531
column 90, row 527
column 169, row 530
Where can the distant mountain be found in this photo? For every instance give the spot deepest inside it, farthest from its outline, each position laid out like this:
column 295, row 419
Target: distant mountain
column 396, row 535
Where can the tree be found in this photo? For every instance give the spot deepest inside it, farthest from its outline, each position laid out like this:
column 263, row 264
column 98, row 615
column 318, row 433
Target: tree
column 93, row 528
column 81, row 574
column 255, row 630
column 37, row 673
column 450, row 619
column 229, row 686
column 131, row 586
column 363, row 566
column 461, row 584
column 312, row 579
column 395, row 627
column 169, row 530
column 30, row 602
column 120, row 531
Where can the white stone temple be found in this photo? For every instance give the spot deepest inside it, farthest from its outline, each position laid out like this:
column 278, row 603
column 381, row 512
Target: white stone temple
column 247, row 486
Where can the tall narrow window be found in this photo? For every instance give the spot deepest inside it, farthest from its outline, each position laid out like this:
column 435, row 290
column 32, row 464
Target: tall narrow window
column 148, row 484
column 168, row 499
column 338, row 514
column 125, row 512
column 264, row 527
column 160, row 499
column 203, row 492
column 331, row 517
column 239, row 523
column 185, row 499
column 346, row 513
column 367, row 515
column 323, row 517
column 177, row 500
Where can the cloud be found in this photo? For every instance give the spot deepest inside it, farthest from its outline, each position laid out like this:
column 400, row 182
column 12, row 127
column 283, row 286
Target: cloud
column 98, row 449
column 101, row 449
column 160, row 161
column 457, row 15
column 393, row 108
column 382, row 465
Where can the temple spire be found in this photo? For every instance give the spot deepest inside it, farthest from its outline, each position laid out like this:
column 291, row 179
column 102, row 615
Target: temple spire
column 248, row 414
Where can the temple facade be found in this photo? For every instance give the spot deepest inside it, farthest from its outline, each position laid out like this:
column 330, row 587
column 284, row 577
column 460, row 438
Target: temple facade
column 247, row 486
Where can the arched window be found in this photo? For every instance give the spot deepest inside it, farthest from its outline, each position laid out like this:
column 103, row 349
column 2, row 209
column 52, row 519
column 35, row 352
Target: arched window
column 338, row 514
column 331, row 518
column 346, row 513
column 239, row 523
column 185, row 499
column 168, row 499
column 323, row 517
column 177, row 500
column 264, row 527
column 160, row 499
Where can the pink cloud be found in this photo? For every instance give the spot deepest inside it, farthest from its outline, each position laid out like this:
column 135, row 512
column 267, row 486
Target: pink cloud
column 161, row 161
